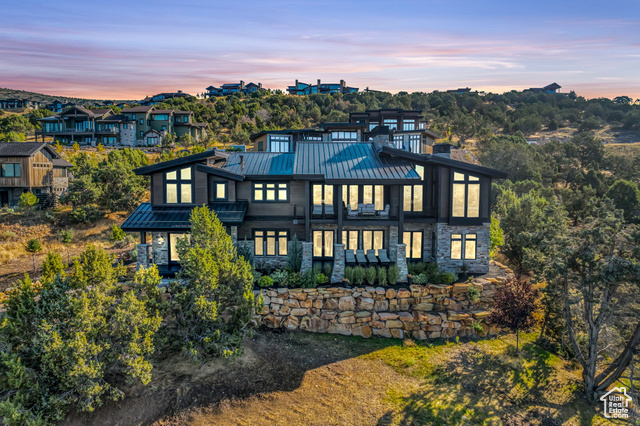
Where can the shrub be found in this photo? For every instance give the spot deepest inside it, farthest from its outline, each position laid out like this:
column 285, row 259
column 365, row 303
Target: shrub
column 33, row 246
column 358, row 275
column 117, row 235
column 473, row 293
column 27, row 201
column 349, row 273
column 322, row 278
column 294, row 256
column 293, row 278
column 308, row 280
column 87, row 214
column 394, row 274
column 447, row 278
column 420, row 279
column 327, row 269
column 416, row 268
column 432, row 272
column 382, row 276
column 245, row 251
column 371, row 274
column 279, row 276
column 265, row 281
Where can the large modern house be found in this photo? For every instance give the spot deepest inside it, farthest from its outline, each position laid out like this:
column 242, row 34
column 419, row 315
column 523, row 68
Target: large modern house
column 348, row 201
column 161, row 97
column 548, row 89
column 231, row 88
column 300, row 88
column 138, row 126
column 403, row 128
column 31, row 167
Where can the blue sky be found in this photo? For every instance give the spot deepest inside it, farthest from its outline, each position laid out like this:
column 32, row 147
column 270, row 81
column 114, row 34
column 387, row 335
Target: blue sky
column 129, row 49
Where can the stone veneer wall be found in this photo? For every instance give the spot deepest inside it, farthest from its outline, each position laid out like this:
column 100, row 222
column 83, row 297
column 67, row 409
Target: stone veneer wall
column 443, row 247
column 420, row 312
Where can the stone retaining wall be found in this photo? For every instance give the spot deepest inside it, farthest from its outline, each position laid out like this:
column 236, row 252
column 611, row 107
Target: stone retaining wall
column 418, row 311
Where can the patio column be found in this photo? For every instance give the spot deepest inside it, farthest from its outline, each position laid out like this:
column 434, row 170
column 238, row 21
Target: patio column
column 307, row 256
column 338, row 263
column 144, row 256
column 401, row 262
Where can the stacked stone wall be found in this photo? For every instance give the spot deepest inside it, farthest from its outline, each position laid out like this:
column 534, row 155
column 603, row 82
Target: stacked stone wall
column 418, row 311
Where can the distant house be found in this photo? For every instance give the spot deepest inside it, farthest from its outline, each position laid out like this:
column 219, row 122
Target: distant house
column 17, row 104
column 549, row 89
column 161, row 97
column 138, row 126
column 460, row 90
column 231, row 88
column 31, row 167
column 300, row 88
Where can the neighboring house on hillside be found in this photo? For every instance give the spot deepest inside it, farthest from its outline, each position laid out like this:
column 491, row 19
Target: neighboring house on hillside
column 549, row 89
column 132, row 127
column 349, row 202
column 34, row 167
column 161, row 97
column 17, row 104
column 460, row 90
column 300, row 88
column 230, row 88
column 403, row 128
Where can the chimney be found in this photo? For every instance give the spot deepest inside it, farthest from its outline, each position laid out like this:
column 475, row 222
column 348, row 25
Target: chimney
column 342, row 84
column 259, row 85
column 296, row 83
column 442, row 150
column 242, row 161
column 241, row 84
column 318, row 83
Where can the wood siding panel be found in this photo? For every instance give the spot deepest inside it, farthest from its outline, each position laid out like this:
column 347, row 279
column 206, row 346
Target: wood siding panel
column 157, row 188
column 201, row 194
column 244, row 191
column 16, row 182
column 445, row 193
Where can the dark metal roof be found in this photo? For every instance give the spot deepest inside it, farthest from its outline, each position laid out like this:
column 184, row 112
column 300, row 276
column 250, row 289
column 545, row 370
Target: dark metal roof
column 61, row 162
column 260, row 163
column 20, row 149
column 138, row 109
column 442, row 161
column 342, row 161
column 149, row 217
column 147, row 170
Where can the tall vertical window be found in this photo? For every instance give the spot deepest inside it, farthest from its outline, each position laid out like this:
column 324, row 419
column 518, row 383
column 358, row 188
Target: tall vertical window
column 322, row 243
column 373, row 194
column 220, row 191
column 465, row 195
column 271, row 192
column 350, row 240
column 408, row 125
column 413, row 199
column 413, row 240
column 350, row 196
column 463, row 246
column 322, row 194
column 398, row 141
column 173, row 246
column 279, row 143
column 270, row 243
column 372, row 240
column 414, row 143
column 179, row 186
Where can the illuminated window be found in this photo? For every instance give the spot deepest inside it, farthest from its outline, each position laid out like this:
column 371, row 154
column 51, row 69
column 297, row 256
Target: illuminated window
column 323, row 244
column 271, row 192
column 372, row 240
column 350, row 240
column 413, row 240
column 270, row 243
column 463, row 246
column 465, row 195
column 220, row 191
column 373, row 194
column 350, row 196
column 322, row 194
column 173, row 246
column 179, row 187
column 456, row 246
column 413, row 199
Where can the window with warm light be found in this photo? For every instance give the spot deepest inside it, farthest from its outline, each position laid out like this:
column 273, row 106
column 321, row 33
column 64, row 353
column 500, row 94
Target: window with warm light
column 465, row 196
column 179, row 186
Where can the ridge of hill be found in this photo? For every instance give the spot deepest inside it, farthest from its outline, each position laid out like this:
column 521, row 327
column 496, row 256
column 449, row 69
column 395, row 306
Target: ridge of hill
column 6, row 93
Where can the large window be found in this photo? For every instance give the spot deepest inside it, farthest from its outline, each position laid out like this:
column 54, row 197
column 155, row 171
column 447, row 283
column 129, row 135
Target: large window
column 408, row 125
column 10, row 170
column 373, row 125
column 323, row 244
column 414, row 143
column 270, row 243
column 350, row 240
column 398, row 141
column 391, row 122
column 466, row 196
column 152, row 141
column 179, row 186
column 372, row 240
column 271, row 192
column 161, row 117
column 350, row 196
column 322, row 194
column 220, row 191
column 279, row 143
column 413, row 240
column 413, row 199
column 344, row 136
column 373, row 194
column 463, row 246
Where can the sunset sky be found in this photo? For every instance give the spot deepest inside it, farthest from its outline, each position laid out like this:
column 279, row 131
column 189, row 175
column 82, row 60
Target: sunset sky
column 130, row 49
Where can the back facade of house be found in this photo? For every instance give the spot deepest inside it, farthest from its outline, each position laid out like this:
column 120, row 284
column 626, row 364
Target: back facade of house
column 347, row 201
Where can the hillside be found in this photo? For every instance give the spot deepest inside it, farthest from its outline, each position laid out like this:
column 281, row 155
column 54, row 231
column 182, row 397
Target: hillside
column 40, row 97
